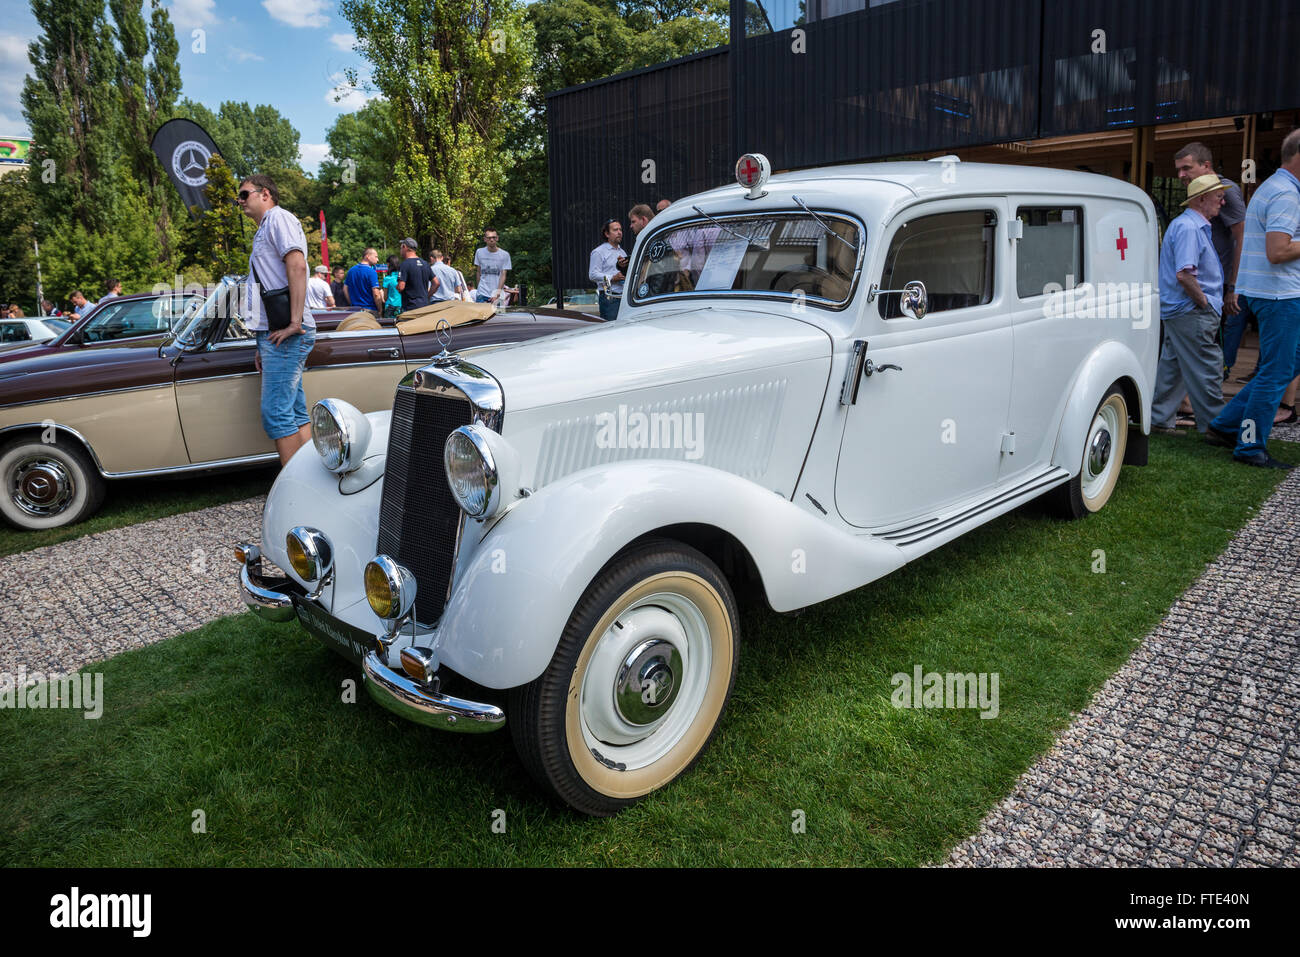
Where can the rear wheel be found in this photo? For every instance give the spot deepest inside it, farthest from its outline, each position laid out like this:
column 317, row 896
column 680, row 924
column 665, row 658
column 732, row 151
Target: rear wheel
column 637, row 684
column 1103, row 456
column 47, row 484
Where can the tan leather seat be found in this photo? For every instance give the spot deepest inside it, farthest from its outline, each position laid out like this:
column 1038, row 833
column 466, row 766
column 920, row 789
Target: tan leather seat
column 358, row 320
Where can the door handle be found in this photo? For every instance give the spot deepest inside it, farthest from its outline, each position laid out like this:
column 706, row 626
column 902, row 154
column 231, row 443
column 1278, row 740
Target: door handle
column 871, row 368
column 392, row 352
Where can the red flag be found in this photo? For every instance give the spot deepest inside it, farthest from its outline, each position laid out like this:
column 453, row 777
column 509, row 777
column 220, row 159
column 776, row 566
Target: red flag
column 324, row 243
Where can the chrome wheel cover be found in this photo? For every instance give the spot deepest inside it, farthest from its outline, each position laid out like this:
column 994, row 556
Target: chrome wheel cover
column 1098, row 458
column 41, row 486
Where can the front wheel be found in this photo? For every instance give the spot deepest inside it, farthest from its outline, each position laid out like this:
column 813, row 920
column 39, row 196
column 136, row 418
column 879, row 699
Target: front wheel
column 638, row 681
column 1103, row 456
column 47, row 484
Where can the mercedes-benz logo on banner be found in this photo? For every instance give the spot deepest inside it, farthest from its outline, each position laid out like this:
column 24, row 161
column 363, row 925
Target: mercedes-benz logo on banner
column 190, row 163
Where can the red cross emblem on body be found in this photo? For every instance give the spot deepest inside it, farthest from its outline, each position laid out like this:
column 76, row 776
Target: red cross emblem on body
column 1121, row 244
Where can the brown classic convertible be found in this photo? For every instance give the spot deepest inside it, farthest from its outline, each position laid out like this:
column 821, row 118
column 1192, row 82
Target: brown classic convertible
column 164, row 384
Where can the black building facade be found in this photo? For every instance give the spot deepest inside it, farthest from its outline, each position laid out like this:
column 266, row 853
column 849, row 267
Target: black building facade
column 816, row 82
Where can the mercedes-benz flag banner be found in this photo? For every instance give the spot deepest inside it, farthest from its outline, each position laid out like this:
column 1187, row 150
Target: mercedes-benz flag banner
column 183, row 149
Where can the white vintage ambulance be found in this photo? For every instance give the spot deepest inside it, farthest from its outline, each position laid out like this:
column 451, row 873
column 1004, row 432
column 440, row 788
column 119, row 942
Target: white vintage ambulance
column 815, row 378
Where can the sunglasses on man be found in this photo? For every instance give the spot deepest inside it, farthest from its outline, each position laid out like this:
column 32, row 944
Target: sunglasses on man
column 245, row 193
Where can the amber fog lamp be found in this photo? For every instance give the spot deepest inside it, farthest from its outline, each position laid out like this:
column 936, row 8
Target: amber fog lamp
column 247, row 553
column 390, row 588
column 341, row 434
column 310, row 554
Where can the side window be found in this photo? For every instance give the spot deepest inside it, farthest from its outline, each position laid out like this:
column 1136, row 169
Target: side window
column 14, row 332
column 1051, row 249
column 952, row 253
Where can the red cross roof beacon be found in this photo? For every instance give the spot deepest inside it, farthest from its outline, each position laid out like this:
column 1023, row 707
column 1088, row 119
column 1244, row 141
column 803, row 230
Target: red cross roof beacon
column 752, row 171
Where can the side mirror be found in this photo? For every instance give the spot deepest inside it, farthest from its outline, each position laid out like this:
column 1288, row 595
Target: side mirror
column 915, row 302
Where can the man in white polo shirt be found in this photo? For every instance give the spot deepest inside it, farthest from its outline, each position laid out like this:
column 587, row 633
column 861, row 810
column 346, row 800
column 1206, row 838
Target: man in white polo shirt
column 279, row 262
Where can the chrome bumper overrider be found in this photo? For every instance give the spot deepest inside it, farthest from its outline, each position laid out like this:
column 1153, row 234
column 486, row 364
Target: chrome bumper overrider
column 271, row 598
column 404, row 697
column 267, row 597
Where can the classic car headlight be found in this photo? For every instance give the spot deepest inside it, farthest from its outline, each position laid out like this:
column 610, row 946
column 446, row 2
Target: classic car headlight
column 341, row 434
column 390, row 588
column 472, row 471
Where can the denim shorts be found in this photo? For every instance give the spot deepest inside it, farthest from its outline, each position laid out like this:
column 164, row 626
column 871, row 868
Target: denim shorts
column 284, row 403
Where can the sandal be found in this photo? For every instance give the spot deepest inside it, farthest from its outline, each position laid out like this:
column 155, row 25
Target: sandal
column 1290, row 414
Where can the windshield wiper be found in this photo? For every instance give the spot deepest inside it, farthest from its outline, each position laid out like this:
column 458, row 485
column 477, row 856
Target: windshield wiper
column 752, row 240
column 822, row 223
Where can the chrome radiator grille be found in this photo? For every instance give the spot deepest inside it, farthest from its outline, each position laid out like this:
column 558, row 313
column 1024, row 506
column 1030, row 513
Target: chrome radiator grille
column 418, row 519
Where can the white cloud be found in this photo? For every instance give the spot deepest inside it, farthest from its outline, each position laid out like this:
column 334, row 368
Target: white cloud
column 344, row 41
column 240, row 55
column 310, row 155
column 14, row 65
column 345, row 97
column 298, row 13
column 187, row 14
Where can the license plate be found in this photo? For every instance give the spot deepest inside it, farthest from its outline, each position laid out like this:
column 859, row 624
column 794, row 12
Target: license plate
column 352, row 643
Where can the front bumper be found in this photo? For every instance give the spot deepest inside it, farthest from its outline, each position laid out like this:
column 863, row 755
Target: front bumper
column 272, row 599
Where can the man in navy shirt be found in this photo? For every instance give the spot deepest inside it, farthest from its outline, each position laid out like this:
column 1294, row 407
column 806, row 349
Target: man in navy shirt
column 363, row 283
column 413, row 278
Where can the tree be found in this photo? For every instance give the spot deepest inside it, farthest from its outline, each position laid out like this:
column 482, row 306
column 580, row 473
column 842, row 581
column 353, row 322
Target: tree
column 251, row 138
column 224, row 240
column 363, row 154
column 451, row 75
column 73, row 106
column 578, row 41
column 148, row 97
column 17, row 258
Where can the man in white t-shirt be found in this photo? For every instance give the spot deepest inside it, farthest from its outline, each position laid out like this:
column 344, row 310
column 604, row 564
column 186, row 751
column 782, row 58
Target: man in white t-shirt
column 492, row 264
column 279, row 260
column 450, row 283
column 319, row 294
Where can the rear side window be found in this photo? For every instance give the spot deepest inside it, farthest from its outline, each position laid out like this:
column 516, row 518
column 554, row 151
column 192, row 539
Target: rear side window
column 1051, row 249
column 14, row 332
column 952, row 253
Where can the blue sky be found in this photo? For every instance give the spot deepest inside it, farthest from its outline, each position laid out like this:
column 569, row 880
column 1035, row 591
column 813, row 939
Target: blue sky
column 288, row 53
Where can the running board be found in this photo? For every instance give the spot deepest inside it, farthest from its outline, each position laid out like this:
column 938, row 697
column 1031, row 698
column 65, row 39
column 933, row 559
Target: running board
column 917, row 532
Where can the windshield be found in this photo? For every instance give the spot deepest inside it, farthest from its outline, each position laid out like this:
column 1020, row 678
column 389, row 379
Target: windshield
column 135, row 318
column 61, row 325
column 785, row 255
column 225, row 300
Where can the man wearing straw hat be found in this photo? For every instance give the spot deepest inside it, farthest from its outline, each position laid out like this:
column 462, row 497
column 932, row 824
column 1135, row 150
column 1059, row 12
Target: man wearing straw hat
column 1191, row 299
column 1269, row 280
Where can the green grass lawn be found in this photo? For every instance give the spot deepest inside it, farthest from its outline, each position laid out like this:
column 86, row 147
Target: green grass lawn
column 138, row 500
column 245, row 721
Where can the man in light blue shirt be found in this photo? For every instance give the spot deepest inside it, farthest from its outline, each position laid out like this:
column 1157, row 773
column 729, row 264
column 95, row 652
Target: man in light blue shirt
column 1191, row 296
column 602, row 269
column 1269, row 281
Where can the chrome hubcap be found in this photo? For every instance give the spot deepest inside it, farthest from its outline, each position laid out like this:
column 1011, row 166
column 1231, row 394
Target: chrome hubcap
column 41, row 486
column 1099, row 452
column 647, row 683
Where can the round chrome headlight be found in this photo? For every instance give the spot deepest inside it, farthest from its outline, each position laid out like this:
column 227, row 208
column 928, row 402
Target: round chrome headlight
column 390, row 588
column 471, row 472
column 341, row 434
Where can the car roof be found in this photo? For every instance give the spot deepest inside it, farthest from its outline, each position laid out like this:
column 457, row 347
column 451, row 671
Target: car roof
column 945, row 176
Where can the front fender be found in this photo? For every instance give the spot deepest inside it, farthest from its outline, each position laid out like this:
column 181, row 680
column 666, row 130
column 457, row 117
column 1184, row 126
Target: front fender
column 1107, row 363
column 516, row 593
